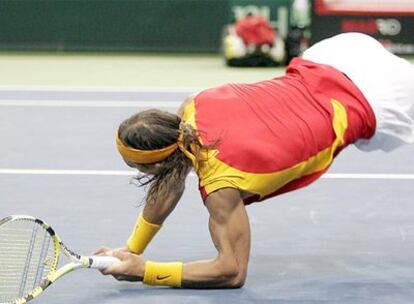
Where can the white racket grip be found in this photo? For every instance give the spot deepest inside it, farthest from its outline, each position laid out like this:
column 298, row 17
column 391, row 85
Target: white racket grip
column 102, row 262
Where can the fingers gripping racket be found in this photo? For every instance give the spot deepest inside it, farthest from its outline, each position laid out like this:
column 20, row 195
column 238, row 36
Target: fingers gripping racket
column 29, row 258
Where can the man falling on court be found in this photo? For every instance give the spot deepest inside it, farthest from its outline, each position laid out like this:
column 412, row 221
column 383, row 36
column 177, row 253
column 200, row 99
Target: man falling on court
column 249, row 142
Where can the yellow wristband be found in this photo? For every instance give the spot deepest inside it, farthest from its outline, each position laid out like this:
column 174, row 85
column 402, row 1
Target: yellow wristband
column 163, row 274
column 142, row 235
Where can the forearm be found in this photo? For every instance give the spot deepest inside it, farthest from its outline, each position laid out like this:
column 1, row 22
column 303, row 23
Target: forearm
column 149, row 222
column 157, row 209
column 212, row 274
column 199, row 274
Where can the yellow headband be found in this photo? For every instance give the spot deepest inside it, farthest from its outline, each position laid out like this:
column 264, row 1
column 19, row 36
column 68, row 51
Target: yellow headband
column 152, row 156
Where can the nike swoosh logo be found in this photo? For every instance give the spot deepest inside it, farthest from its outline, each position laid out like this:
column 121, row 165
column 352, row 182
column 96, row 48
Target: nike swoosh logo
column 163, row 277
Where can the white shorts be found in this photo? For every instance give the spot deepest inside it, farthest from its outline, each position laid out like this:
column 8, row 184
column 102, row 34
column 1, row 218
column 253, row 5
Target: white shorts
column 386, row 81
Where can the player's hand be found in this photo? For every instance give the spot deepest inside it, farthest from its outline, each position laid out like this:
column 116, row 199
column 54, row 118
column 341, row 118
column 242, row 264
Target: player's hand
column 130, row 269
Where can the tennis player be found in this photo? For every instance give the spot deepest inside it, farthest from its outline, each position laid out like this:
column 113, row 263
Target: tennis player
column 249, row 142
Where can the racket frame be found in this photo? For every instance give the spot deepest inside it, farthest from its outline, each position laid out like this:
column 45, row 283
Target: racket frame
column 77, row 261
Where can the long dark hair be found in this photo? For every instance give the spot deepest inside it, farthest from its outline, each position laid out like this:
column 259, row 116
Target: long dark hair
column 155, row 129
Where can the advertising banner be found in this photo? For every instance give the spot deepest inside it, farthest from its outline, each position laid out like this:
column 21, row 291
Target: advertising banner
column 391, row 22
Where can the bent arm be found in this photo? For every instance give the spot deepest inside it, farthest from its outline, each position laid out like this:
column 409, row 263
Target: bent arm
column 230, row 232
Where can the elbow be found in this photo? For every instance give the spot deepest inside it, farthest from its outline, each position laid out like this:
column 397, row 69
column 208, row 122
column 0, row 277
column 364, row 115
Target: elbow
column 233, row 278
column 237, row 282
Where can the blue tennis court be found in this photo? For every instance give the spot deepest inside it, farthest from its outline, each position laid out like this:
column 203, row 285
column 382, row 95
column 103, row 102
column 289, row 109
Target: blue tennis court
column 348, row 238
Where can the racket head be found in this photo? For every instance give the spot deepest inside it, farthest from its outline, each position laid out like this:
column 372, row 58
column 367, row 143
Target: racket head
column 29, row 256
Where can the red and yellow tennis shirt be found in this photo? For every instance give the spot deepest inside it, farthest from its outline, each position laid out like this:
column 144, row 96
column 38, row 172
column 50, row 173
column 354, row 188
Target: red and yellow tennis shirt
column 278, row 135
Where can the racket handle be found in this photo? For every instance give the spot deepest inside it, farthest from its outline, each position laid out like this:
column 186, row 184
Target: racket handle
column 102, row 262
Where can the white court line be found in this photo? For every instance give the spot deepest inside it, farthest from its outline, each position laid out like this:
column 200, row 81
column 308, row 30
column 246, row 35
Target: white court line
column 131, row 173
column 89, row 104
column 367, row 176
column 162, row 89
column 67, row 172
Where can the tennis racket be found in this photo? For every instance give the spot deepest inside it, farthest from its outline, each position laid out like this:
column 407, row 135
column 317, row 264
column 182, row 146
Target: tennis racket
column 29, row 258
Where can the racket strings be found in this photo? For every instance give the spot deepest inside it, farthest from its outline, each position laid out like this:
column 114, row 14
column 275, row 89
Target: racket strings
column 26, row 256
